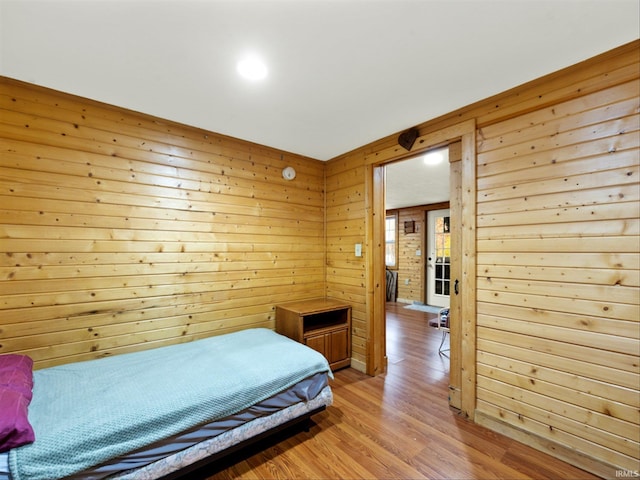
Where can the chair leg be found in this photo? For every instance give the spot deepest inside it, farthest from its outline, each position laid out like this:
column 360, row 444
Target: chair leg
column 440, row 349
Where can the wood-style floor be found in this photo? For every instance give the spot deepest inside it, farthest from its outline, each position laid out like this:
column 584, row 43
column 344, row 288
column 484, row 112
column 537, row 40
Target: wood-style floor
column 394, row 426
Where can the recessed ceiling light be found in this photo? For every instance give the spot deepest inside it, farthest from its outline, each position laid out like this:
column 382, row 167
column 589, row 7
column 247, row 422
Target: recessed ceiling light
column 433, row 158
column 252, row 68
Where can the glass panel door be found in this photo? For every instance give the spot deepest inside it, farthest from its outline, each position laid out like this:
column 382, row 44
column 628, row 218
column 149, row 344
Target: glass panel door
column 439, row 258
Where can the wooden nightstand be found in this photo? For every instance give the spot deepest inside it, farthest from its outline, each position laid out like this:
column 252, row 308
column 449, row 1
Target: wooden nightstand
column 323, row 324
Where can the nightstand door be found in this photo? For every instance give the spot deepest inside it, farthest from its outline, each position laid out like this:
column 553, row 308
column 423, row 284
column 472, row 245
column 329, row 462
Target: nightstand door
column 318, row 343
column 337, row 348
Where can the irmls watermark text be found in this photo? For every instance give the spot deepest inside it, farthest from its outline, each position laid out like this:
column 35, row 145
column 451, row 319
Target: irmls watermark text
column 627, row 474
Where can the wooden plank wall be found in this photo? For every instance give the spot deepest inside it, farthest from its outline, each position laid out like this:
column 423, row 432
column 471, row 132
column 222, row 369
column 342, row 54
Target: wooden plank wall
column 120, row 231
column 558, row 273
column 346, row 227
column 558, row 249
column 411, row 266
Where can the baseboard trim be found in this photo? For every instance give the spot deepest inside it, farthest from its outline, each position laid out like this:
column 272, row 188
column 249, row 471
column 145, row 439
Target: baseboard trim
column 557, row 450
column 358, row 365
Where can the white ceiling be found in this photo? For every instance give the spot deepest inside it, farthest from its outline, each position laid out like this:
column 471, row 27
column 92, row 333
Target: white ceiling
column 342, row 73
column 411, row 182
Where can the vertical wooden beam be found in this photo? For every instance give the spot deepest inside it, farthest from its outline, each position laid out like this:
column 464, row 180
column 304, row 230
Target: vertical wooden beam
column 375, row 270
column 468, row 284
column 455, row 308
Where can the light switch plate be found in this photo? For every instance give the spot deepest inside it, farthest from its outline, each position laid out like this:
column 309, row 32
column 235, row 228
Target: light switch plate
column 358, row 249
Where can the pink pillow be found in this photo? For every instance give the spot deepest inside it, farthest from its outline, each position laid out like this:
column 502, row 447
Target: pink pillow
column 16, row 385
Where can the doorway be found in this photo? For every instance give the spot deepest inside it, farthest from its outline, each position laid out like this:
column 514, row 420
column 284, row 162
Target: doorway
column 462, row 381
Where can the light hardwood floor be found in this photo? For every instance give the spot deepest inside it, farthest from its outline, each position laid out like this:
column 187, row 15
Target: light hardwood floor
column 394, row 426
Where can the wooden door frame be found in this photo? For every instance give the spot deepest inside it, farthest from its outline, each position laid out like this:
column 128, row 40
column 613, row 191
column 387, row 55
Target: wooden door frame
column 463, row 345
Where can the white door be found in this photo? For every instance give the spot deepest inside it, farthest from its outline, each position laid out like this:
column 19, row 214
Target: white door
column 438, row 263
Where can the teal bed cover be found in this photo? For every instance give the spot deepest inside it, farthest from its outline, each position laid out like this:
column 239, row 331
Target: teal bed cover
column 86, row 413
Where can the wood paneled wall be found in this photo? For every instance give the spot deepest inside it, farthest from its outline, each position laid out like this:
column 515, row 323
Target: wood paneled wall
column 558, row 258
column 120, row 231
column 558, row 273
column 345, row 228
column 411, row 266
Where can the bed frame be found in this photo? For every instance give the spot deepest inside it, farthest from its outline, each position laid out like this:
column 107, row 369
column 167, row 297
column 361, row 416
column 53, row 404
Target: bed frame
column 302, row 423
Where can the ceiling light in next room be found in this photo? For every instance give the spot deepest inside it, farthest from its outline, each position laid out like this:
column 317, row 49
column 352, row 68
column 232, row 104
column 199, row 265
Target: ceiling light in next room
column 252, row 68
column 433, row 158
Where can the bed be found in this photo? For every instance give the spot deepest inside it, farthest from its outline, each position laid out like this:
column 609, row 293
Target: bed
column 157, row 413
